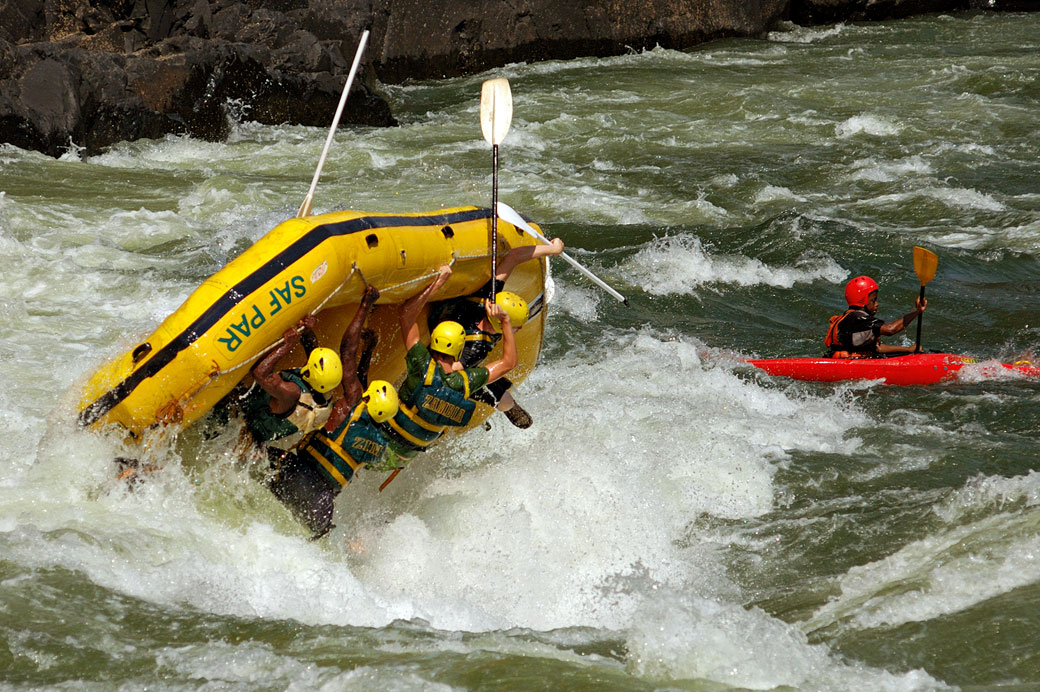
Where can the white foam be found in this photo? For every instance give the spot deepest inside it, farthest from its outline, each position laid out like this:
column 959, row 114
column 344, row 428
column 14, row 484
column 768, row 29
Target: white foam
column 949, row 196
column 988, row 549
column 867, row 124
column 776, row 193
column 680, row 264
column 964, row 197
column 888, row 171
column 792, row 33
column 569, row 523
column 685, row 637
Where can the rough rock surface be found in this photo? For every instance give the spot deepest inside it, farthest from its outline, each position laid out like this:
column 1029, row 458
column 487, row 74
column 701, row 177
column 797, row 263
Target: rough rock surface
column 809, row 12
column 465, row 37
column 89, row 73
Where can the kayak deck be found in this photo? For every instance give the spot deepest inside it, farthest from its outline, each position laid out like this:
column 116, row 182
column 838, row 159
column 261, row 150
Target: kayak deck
column 906, row 369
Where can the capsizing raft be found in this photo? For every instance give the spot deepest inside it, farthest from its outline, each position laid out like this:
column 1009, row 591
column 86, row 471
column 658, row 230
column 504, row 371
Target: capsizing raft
column 315, row 264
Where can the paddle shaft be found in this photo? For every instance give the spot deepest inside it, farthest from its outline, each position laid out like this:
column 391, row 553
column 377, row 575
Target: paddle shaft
column 920, row 318
column 513, row 217
column 389, row 479
column 494, row 219
column 305, row 208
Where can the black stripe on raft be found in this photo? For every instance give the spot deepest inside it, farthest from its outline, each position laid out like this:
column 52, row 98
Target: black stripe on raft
column 227, row 302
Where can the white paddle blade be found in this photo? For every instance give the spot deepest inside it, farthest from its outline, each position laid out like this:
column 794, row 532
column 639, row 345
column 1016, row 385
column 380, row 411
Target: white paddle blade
column 496, row 110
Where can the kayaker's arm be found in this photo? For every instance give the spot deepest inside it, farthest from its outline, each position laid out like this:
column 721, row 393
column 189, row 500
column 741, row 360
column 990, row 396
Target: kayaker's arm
column 411, row 308
column 500, row 367
column 886, row 348
column 896, row 326
column 284, row 394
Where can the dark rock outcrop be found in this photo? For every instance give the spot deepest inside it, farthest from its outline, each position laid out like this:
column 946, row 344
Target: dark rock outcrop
column 93, row 72
column 809, row 12
column 459, row 38
column 89, row 74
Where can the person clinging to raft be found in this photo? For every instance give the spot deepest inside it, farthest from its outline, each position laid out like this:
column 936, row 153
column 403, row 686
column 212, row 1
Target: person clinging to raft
column 438, row 390
column 483, row 332
column 308, row 478
column 857, row 332
column 284, row 405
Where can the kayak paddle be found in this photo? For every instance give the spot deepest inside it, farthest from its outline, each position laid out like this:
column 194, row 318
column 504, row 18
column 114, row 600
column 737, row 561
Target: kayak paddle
column 925, row 264
column 496, row 113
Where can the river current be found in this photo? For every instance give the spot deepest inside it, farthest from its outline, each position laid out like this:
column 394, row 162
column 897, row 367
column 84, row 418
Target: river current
column 674, row 520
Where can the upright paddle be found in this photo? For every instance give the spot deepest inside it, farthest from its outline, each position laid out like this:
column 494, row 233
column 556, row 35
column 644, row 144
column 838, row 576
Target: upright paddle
column 925, row 264
column 496, row 114
column 305, row 208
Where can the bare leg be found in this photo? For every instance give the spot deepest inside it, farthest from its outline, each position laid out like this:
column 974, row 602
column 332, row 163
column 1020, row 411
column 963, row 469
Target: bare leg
column 369, row 339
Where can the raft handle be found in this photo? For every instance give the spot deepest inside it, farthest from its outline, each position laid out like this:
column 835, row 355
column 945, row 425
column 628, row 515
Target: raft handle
column 373, row 241
column 448, row 232
column 140, row 352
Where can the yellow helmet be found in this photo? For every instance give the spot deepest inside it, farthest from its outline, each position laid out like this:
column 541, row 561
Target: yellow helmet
column 382, row 400
column 448, row 338
column 324, row 370
column 515, row 307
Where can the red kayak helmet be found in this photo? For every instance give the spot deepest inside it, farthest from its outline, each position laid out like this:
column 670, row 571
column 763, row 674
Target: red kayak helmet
column 858, row 290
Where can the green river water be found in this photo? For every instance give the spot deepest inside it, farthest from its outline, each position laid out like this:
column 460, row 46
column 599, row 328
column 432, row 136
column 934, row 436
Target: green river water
column 674, row 520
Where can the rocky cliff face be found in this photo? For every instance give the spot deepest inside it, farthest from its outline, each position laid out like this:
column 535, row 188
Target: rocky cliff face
column 93, row 72
column 463, row 37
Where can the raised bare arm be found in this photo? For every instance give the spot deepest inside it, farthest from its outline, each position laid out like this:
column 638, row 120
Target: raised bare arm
column 508, row 360
column 524, row 253
column 411, row 308
column 352, row 389
column 284, row 394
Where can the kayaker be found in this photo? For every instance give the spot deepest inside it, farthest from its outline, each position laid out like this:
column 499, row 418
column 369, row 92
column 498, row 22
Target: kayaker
column 283, row 406
column 308, row 478
column 857, row 333
column 438, row 390
column 482, row 333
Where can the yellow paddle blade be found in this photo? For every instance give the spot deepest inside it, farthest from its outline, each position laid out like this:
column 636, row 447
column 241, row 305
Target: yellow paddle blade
column 925, row 264
column 496, row 109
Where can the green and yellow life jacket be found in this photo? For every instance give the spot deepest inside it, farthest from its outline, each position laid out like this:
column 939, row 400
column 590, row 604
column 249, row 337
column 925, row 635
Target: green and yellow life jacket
column 358, row 441
column 430, row 409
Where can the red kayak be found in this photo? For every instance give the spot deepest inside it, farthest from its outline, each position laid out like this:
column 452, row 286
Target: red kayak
column 908, row 369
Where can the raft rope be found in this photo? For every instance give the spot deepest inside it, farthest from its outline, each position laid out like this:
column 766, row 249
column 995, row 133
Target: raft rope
column 354, row 270
column 266, row 271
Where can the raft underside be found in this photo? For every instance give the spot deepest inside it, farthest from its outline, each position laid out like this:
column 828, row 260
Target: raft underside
column 311, row 265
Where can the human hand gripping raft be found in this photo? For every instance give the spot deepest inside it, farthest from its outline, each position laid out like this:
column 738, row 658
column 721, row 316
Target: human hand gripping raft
column 438, row 390
column 482, row 331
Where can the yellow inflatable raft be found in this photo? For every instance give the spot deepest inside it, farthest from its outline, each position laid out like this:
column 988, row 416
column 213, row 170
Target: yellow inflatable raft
column 316, row 264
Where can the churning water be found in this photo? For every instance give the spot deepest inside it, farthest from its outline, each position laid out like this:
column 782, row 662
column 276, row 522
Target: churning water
column 673, row 520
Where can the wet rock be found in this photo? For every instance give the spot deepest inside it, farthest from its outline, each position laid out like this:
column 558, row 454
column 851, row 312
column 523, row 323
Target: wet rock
column 810, row 12
column 434, row 38
column 79, row 75
column 91, row 73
